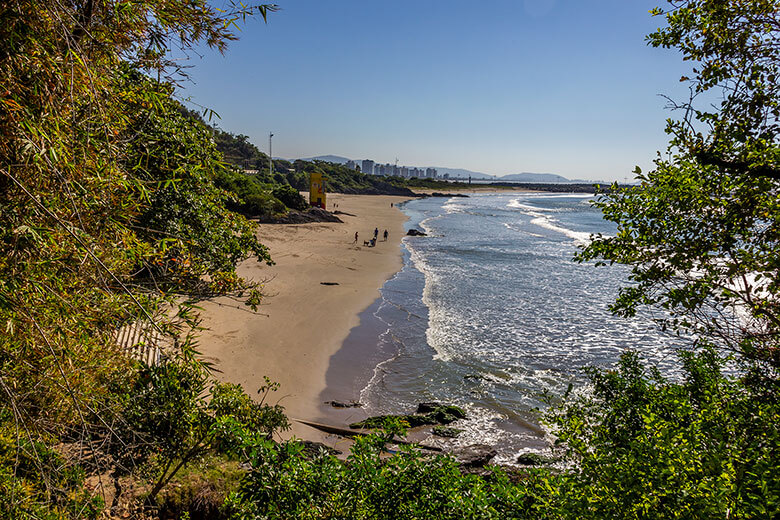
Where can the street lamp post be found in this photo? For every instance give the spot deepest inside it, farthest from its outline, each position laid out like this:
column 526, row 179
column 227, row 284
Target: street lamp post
column 270, row 155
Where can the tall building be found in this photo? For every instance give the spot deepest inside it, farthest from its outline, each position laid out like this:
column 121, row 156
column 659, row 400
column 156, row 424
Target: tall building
column 352, row 165
column 368, row 167
column 430, row 173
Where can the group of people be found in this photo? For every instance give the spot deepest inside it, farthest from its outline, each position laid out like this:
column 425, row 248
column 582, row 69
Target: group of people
column 372, row 242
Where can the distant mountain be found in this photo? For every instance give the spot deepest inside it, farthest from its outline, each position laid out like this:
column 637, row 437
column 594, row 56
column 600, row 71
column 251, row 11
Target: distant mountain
column 328, row 158
column 549, row 178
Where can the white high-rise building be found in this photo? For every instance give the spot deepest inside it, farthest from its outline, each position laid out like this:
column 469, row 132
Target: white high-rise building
column 368, row 167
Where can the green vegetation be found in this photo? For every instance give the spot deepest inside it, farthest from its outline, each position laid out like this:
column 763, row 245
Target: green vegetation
column 110, row 216
column 120, row 207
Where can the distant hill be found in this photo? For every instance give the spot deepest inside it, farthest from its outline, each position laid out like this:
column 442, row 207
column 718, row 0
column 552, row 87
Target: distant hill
column 336, row 159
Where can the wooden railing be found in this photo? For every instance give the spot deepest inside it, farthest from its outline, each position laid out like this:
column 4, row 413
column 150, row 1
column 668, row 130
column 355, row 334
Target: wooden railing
column 142, row 341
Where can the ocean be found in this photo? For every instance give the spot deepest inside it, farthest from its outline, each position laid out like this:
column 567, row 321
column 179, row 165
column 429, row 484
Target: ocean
column 491, row 313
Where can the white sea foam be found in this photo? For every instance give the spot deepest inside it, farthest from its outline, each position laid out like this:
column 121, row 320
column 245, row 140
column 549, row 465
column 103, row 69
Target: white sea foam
column 515, row 203
column 515, row 227
column 452, row 206
column 434, row 333
column 376, row 381
column 548, row 223
column 566, row 195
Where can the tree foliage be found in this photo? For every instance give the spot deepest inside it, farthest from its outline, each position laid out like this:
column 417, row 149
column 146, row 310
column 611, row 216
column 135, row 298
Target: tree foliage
column 702, row 230
column 701, row 234
column 109, row 215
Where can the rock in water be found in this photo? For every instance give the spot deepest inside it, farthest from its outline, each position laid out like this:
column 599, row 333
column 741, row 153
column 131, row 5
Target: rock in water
column 447, row 431
column 474, row 455
column 535, row 459
column 438, row 414
column 428, row 407
column 416, row 233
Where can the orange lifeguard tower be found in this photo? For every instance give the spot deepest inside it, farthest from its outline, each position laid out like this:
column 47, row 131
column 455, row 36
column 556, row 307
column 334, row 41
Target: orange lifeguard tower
column 317, row 190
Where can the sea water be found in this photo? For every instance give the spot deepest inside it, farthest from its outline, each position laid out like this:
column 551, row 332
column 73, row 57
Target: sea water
column 490, row 312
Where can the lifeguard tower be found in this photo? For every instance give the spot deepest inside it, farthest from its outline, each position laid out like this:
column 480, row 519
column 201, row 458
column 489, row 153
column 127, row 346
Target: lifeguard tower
column 317, row 190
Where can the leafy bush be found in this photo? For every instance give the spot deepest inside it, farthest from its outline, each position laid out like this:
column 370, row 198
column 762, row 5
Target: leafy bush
column 405, row 486
column 172, row 410
column 642, row 447
column 290, row 197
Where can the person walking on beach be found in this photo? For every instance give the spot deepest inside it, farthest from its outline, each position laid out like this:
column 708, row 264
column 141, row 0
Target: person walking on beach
column 356, row 236
column 376, row 232
column 385, row 235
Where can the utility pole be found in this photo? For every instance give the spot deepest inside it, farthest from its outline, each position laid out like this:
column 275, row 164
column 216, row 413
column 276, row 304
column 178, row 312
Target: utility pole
column 270, row 155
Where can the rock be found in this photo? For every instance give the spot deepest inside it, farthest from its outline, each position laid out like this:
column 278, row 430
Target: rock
column 439, row 194
column 447, row 431
column 313, row 450
column 329, row 283
column 438, row 414
column 534, row 459
column 428, row 407
column 474, row 455
column 457, row 411
column 378, row 421
column 313, row 214
column 342, row 404
column 445, row 418
column 416, row 233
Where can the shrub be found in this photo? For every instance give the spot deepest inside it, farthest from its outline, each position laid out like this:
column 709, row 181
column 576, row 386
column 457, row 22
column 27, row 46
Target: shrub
column 289, row 196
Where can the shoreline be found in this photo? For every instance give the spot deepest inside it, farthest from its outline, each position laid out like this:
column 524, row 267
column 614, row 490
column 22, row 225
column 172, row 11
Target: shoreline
column 303, row 323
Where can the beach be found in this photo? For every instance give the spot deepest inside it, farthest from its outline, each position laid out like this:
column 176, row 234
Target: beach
column 315, row 292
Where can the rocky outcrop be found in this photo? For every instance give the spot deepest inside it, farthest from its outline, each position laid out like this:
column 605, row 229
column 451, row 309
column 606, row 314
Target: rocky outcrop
column 474, row 455
column 313, row 214
column 344, row 404
column 440, row 194
column 427, row 414
column 535, row 459
column 416, row 233
column 446, row 431
column 312, row 450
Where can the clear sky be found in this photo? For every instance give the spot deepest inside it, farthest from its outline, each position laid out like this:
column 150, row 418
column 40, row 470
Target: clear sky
column 498, row 86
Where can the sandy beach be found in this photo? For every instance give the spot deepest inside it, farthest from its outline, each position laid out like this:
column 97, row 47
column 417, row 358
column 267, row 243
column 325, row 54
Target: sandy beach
column 302, row 322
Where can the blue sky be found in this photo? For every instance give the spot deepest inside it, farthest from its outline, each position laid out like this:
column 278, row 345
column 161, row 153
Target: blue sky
column 498, row 86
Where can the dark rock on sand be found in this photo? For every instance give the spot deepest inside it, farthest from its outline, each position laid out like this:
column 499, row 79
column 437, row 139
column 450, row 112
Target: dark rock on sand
column 535, row 459
column 447, row 431
column 379, row 421
column 313, row 214
column 343, row 404
column 474, row 455
column 416, row 233
column 312, row 450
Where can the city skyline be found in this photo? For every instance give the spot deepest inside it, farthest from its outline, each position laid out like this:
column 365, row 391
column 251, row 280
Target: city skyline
column 548, row 86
